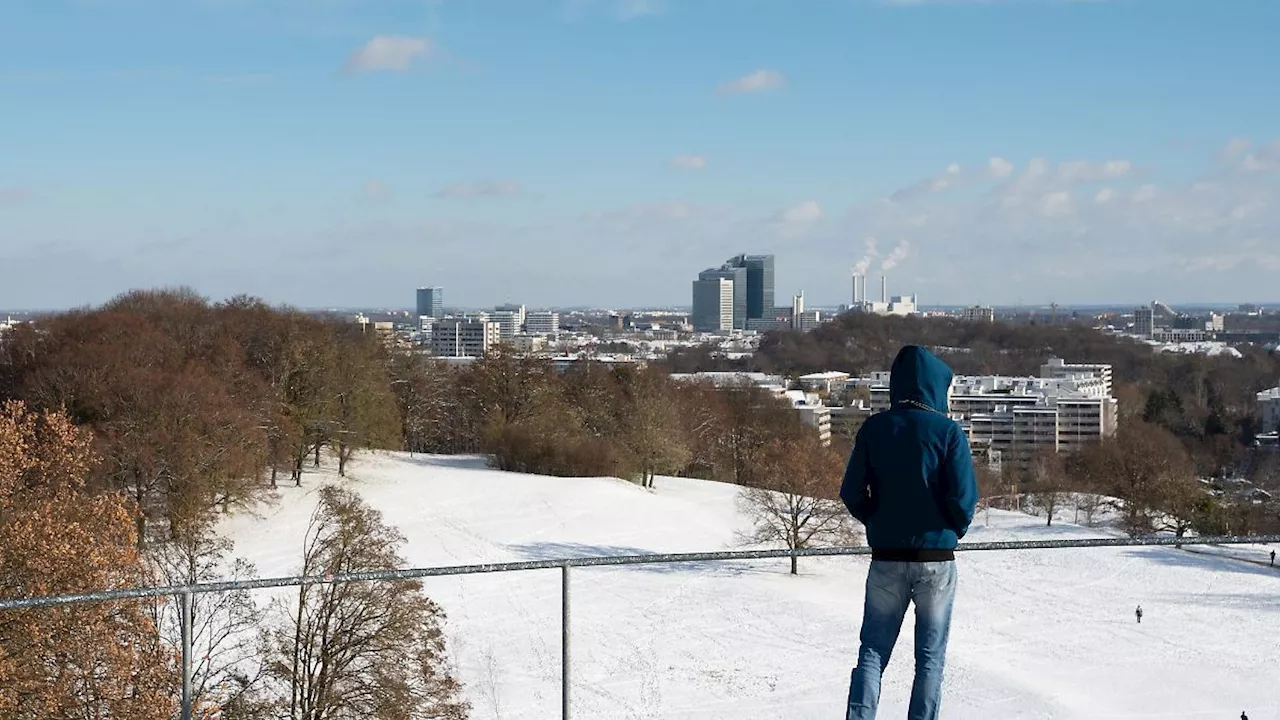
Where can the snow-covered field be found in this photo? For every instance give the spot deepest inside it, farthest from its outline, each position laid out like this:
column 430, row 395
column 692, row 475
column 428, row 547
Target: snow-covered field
column 1037, row 634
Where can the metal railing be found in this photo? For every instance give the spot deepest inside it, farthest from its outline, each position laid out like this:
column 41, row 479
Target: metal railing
column 185, row 592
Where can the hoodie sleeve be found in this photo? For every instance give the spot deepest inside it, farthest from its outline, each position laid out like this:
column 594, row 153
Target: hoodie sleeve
column 961, row 496
column 856, row 490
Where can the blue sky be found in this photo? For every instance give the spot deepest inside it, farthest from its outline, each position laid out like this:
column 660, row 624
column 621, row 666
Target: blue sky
column 343, row 152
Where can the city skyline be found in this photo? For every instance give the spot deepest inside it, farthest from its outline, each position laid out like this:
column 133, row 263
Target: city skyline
column 574, row 153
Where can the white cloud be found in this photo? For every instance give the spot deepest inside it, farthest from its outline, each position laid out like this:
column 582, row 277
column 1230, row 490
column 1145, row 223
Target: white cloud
column 1265, row 158
column 689, row 162
column 480, row 189
column 629, row 9
column 388, row 53
column 376, row 190
column 1146, row 193
column 1056, row 204
column 804, row 213
column 1083, row 171
column 758, row 81
column 998, row 168
column 576, row 10
column 1236, row 147
column 1104, row 196
column 947, row 179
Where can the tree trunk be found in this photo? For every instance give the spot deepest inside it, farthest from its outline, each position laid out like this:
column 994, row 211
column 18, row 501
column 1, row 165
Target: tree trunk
column 794, row 568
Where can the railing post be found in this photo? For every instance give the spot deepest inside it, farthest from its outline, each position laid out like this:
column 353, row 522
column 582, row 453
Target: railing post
column 564, row 642
column 186, row 654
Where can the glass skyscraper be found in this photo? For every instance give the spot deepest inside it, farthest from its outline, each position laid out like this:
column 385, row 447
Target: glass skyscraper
column 760, row 300
column 431, row 302
column 738, row 276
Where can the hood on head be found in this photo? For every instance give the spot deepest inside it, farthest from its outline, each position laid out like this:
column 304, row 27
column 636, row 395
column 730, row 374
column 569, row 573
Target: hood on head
column 918, row 375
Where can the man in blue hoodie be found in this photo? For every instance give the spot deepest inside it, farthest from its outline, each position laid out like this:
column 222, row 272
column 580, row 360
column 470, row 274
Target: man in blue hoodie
column 910, row 481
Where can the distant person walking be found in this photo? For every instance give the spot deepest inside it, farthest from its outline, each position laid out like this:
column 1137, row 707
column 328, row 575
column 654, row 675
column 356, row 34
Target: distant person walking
column 910, row 481
column 1138, row 612
column 1242, row 715
column 1273, row 558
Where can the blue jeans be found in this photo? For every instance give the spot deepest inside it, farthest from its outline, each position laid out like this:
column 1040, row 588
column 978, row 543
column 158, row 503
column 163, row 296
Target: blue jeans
column 891, row 586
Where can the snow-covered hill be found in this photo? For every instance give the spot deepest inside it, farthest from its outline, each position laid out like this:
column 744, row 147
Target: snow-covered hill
column 1037, row 634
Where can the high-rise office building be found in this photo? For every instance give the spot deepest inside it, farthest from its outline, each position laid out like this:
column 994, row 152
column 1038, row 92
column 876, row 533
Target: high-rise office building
column 1144, row 321
column 430, row 302
column 713, row 304
column 737, row 276
column 759, row 283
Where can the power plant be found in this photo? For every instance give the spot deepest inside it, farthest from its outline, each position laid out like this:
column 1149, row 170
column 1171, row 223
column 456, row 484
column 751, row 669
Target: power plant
column 896, row 305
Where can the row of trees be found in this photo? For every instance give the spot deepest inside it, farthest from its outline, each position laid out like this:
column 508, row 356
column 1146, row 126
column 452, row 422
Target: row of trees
column 334, row 652
column 134, row 426
column 193, row 406
column 1144, row 479
column 1207, row 402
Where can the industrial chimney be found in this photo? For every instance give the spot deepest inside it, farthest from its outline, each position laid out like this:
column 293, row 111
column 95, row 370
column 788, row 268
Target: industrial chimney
column 855, row 288
column 884, row 289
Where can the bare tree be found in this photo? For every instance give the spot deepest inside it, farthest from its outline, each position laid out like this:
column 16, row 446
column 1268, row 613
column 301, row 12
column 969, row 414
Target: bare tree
column 1046, row 482
column 654, row 435
column 990, row 485
column 227, row 668
column 361, row 650
column 797, row 503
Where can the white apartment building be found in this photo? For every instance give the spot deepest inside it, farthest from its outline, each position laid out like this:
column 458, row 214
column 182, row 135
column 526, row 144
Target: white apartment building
column 519, row 310
column 1061, row 369
column 464, row 338
column 979, row 314
column 509, row 322
column 1269, row 409
column 831, row 383
column 1178, row 335
column 1066, row 408
column 542, row 323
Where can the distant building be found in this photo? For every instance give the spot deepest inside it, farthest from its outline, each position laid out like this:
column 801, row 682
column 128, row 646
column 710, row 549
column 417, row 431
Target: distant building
column 737, row 277
column 978, row 313
column 1144, row 321
column 509, row 323
column 529, row 343
column 1066, row 408
column 1178, row 335
column 1269, row 409
column 712, row 304
column 896, row 305
column 827, row 383
column 464, row 338
column 1059, row 369
column 431, row 302
column 519, row 311
column 812, row 413
column 1216, row 323
column 760, row 287
column 542, row 323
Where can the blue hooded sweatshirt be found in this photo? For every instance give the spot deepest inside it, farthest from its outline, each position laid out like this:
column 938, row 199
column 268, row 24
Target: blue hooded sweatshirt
column 910, row 479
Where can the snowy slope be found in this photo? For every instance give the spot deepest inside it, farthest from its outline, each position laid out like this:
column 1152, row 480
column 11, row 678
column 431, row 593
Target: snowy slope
column 1044, row 634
